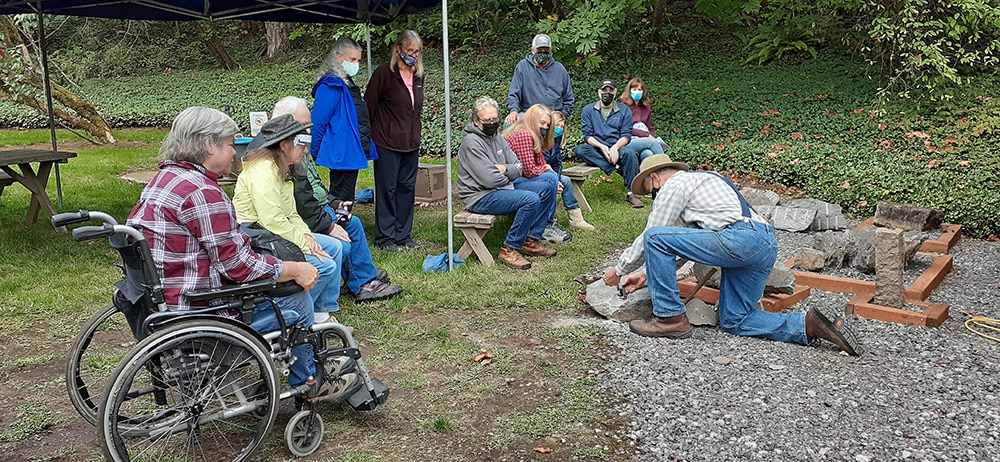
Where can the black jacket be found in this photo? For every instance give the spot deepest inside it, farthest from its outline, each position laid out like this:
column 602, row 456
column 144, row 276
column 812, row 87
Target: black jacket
column 364, row 126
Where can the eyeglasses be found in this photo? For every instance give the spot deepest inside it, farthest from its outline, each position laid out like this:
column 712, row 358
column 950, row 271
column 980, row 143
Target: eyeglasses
column 302, row 140
column 494, row 120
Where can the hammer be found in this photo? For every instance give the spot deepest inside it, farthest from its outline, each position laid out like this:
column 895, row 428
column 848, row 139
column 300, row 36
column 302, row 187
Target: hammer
column 701, row 283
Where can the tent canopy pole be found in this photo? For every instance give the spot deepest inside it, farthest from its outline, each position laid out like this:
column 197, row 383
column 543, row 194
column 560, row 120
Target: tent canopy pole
column 447, row 130
column 48, row 99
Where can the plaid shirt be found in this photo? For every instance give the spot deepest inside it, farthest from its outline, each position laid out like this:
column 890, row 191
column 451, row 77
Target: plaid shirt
column 192, row 232
column 699, row 200
column 523, row 144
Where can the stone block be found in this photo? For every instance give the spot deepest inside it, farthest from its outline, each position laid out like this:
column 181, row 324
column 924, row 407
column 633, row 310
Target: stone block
column 792, row 219
column 809, row 259
column 907, row 217
column 889, row 267
column 828, row 216
column 759, row 197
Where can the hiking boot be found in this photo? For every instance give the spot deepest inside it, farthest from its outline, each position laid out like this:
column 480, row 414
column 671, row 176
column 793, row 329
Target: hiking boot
column 337, row 389
column 634, row 201
column 555, row 235
column 677, row 326
column 376, row 290
column 513, row 259
column 382, row 275
column 576, row 220
column 533, row 247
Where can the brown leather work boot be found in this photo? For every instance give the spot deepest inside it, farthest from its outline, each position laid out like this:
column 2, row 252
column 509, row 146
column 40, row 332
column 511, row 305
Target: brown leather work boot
column 671, row 327
column 513, row 259
column 818, row 326
column 533, row 247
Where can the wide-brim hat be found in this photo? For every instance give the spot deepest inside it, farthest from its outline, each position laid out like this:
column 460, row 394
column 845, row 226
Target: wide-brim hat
column 281, row 128
column 651, row 164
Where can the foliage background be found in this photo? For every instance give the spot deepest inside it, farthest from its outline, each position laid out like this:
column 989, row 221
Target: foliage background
column 854, row 101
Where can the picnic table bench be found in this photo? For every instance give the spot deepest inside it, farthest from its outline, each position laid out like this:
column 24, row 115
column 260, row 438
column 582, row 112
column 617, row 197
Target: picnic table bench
column 578, row 175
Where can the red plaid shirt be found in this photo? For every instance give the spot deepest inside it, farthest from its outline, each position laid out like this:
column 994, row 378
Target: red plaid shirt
column 192, row 232
column 523, row 144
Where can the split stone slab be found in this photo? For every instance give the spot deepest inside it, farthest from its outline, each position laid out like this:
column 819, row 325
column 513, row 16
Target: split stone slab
column 889, row 268
column 907, row 217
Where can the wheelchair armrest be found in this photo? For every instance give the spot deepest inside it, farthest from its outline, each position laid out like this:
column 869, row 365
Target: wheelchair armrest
column 238, row 290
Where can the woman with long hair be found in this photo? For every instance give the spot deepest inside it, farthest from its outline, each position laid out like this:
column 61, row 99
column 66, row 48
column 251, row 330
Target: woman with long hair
column 530, row 137
column 395, row 97
column 644, row 140
column 265, row 195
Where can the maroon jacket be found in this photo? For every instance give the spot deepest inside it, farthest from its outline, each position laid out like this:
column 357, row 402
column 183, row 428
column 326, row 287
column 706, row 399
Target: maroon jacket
column 395, row 120
column 644, row 114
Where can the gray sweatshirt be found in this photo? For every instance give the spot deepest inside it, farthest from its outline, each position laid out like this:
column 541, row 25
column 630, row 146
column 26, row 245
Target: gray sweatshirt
column 478, row 174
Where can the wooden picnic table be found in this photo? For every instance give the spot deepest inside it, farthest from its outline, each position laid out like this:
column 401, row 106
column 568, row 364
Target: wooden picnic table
column 34, row 180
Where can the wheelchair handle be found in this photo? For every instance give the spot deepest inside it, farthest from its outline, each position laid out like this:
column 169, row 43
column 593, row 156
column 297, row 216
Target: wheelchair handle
column 72, row 218
column 86, row 233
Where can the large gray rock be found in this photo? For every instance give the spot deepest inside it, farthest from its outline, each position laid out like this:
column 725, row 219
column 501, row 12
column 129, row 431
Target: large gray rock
column 605, row 300
column 856, row 248
column 828, row 216
column 907, row 217
column 759, row 197
column 792, row 219
column 889, row 267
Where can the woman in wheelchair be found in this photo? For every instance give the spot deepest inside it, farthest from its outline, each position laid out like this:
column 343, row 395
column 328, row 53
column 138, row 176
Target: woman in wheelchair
column 264, row 197
column 196, row 242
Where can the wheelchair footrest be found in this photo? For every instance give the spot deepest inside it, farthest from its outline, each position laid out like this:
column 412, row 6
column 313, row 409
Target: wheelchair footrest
column 367, row 400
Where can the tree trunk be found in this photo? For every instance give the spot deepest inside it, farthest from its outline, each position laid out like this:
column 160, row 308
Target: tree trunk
column 277, row 37
column 215, row 47
column 23, row 83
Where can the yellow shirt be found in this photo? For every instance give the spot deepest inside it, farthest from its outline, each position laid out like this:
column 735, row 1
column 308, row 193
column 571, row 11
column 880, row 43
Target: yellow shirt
column 262, row 196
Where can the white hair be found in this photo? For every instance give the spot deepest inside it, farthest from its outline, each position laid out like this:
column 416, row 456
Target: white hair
column 194, row 131
column 288, row 105
column 482, row 103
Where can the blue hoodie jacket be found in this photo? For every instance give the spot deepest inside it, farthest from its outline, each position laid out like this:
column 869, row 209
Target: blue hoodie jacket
column 336, row 142
column 547, row 85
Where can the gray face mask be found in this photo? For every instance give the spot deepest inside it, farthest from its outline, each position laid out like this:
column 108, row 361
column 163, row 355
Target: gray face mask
column 542, row 58
column 544, row 132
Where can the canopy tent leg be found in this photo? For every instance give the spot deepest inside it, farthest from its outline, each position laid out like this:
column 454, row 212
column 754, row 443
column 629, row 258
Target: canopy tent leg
column 368, row 42
column 447, row 130
column 48, row 99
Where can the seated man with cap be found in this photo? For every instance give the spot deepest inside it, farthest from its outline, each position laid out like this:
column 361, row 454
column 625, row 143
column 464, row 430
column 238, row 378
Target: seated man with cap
column 716, row 227
column 607, row 130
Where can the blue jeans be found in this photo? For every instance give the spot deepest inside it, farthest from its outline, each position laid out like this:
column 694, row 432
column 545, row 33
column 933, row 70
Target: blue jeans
column 327, row 288
column 627, row 166
column 529, row 214
column 358, row 265
column 546, row 186
column 645, row 147
column 297, row 310
column 746, row 253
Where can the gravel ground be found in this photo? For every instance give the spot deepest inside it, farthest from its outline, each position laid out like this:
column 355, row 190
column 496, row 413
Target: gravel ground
column 920, row 394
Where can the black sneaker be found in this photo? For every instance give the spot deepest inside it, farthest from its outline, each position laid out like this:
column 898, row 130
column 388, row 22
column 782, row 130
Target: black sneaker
column 410, row 244
column 390, row 247
column 377, row 290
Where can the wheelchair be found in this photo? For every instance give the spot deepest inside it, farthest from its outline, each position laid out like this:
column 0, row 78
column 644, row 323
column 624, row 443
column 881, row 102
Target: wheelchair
column 197, row 385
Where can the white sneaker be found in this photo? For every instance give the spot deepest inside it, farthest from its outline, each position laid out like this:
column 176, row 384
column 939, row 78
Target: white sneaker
column 556, row 235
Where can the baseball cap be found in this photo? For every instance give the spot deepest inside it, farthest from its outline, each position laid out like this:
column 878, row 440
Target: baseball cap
column 607, row 83
column 541, row 41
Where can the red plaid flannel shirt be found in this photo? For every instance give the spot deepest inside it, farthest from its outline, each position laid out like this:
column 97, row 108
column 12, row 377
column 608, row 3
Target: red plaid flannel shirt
column 523, row 145
column 191, row 228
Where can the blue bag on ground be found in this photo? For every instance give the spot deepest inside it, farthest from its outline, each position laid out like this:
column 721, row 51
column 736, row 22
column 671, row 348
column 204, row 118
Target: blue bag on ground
column 364, row 196
column 440, row 262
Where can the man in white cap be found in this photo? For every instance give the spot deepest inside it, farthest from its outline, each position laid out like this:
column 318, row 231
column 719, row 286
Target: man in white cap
column 716, row 227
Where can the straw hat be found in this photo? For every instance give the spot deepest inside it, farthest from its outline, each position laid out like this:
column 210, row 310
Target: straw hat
column 651, row 164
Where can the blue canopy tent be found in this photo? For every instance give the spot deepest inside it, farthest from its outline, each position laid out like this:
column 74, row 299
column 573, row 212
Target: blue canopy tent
column 314, row 11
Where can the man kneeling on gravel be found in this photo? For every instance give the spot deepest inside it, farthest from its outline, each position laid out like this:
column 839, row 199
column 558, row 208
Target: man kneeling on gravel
column 719, row 229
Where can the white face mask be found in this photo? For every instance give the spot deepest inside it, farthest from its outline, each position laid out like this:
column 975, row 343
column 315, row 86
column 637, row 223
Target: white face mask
column 351, row 68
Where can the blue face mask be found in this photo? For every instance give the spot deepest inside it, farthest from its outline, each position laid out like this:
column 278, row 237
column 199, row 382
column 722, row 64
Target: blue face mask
column 351, row 68
column 558, row 132
column 636, row 95
column 408, row 60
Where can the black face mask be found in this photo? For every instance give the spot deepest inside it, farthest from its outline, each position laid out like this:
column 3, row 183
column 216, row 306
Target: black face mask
column 607, row 98
column 490, row 129
column 544, row 132
column 652, row 192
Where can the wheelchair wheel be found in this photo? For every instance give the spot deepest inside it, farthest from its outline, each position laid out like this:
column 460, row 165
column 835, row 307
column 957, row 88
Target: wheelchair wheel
column 304, row 433
column 197, row 390
column 94, row 355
